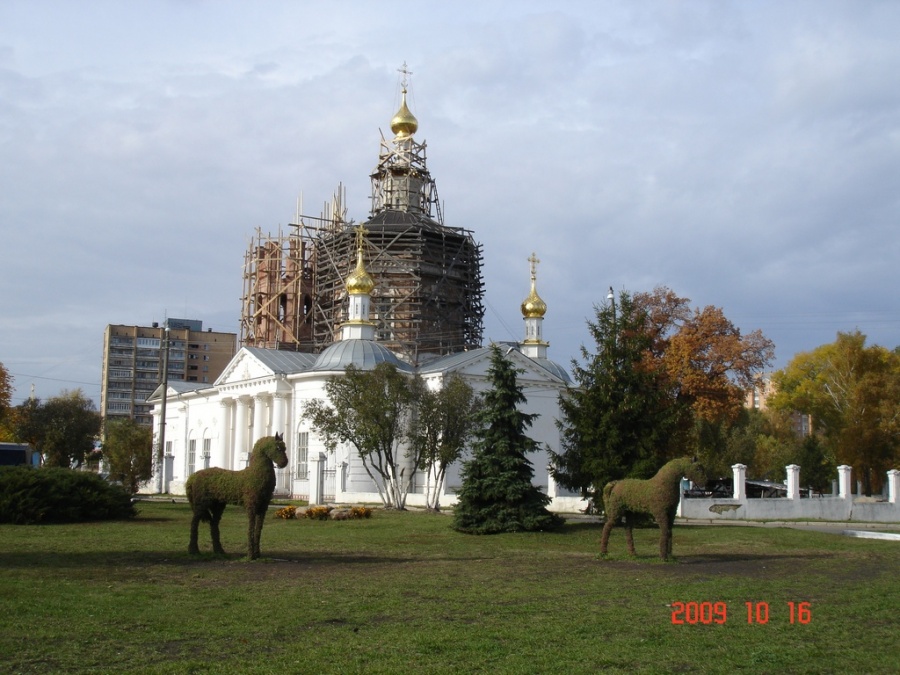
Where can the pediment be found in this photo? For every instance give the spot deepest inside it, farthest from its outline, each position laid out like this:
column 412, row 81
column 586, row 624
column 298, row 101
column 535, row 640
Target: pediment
column 243, row 367
column 476, row 363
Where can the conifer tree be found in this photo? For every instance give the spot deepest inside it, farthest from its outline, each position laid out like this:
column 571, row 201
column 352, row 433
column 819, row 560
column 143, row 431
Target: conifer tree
column 616, row 422
column 497, row 494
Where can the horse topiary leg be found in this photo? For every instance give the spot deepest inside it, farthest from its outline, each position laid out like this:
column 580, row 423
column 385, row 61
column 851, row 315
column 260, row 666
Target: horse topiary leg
column 216, row 515
column 604, row 540
column 665, row 535
column 257, row 536
column 671, row 532
column 252, row 544
column 193, row 547
column 629, row 533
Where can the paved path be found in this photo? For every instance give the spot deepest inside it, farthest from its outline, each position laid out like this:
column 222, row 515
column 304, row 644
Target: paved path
column 816, row 525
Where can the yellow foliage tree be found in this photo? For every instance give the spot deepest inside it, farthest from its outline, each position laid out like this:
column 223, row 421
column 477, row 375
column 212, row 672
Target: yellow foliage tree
column 853, row 394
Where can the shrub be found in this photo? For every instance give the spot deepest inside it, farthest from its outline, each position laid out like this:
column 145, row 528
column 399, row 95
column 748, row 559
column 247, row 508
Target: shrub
column 57, row 495
column 287, row 513
column 318, row 512
column 360, row 512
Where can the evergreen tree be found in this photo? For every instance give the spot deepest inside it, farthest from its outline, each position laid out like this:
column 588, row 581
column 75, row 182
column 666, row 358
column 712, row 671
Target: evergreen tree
column 617, row 422
column 497, row 494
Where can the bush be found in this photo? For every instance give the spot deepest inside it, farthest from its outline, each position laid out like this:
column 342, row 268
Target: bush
column 287, row 513
column 318, row 512
column 57, row 495
column 360, row 512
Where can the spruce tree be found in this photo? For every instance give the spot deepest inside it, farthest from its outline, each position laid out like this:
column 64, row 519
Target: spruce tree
column 618, row 419
column 497, row 494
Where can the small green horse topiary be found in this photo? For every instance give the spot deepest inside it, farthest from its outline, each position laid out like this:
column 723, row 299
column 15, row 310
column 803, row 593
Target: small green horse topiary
column 657, row 496
column 210, row 490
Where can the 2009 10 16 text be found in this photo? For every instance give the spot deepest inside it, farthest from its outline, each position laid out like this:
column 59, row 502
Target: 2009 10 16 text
column 717, row 613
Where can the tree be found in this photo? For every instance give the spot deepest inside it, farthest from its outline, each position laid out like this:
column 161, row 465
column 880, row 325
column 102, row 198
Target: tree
column 662, row 381
column 374, row 411
column 616, row 423
column 63, row 429
column 6, row 391
column 445, row 422
column 128, row 452
column 497, row 494
column 708, row 363
column 853, row 394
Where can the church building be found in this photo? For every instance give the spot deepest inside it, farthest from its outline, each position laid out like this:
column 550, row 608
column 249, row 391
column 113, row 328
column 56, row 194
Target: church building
column 392, row 305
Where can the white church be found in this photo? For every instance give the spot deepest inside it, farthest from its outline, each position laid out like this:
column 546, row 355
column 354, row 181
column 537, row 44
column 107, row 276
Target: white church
column 263, row 391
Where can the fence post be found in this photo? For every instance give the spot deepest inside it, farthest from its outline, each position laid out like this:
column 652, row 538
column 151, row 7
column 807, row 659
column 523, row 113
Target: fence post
column 739, row 472
column 316, row 477
column 844, row 481
column 893, row 486
column 793, row 481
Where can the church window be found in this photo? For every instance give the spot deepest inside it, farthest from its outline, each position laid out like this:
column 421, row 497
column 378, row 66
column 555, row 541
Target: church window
column 192, row 456
column 302, row 462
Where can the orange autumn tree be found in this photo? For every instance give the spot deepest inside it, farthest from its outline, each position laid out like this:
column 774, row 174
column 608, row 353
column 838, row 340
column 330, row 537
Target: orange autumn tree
column 708, row 362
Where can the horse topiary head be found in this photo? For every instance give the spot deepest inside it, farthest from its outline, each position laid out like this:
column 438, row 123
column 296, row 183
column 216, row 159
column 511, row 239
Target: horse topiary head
column 273, row 449
column 694, row 472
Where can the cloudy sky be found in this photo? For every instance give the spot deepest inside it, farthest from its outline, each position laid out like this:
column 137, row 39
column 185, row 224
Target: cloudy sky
column 745, row 154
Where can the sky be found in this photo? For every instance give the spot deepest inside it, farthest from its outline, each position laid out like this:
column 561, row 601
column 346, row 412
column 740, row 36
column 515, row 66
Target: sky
column 744, row 154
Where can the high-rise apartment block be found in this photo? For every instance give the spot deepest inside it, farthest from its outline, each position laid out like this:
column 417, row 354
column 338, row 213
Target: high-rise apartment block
column 133, row 363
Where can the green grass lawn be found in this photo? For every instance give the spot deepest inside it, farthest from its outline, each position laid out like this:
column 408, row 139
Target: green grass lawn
column 403, row 593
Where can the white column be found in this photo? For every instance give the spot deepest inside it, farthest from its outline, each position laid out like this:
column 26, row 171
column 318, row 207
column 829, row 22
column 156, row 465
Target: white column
column 844, row 481
column 793, row 481
column 739, row 473
column 220, row 452
column 259, row 417
column 240, row 432
column 278, row 403
column 894, row 486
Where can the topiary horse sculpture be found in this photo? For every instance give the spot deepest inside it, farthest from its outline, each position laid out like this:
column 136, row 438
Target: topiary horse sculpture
column 657, row 496
column 210, row 490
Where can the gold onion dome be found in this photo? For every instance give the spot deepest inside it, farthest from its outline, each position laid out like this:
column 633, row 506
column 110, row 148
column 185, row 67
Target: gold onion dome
column 404, row 123
column 532, row 306
column 359, row 282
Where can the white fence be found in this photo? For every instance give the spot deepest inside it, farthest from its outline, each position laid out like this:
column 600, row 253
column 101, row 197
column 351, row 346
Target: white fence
column 841, row 507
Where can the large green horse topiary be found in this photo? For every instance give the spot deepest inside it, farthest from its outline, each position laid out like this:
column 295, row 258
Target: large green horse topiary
column 657, row 496
column 210, row 490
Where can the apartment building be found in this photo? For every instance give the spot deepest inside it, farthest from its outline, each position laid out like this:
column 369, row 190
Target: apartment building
column 133, row 363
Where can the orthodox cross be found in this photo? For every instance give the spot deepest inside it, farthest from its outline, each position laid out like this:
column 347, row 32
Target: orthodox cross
column 533, row 259
column 361, row 233
column 406, row 72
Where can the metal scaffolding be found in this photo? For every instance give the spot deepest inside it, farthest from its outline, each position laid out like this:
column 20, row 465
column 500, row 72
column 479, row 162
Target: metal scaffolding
column 278, row 301
column 428, row 296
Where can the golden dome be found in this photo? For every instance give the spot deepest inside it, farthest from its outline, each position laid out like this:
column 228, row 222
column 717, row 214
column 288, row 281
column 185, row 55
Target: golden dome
column 532, row 306
column 359, row 282
column 404, row 123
